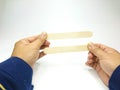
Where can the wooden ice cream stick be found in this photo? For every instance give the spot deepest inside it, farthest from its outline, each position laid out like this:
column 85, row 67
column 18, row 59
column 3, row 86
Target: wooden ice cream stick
column 64, row 49
column 67, row 35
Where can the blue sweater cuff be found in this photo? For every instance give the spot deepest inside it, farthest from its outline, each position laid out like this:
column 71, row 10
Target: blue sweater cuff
column 114, row 82
column 19, row 71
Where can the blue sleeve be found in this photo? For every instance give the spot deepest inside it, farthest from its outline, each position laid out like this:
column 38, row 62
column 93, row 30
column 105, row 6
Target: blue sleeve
column 114, row 82
column 15, row 74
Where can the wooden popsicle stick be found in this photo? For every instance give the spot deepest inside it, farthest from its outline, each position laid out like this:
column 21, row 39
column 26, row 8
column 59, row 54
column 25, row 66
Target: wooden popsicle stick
column 63, row 49
column 82, row 34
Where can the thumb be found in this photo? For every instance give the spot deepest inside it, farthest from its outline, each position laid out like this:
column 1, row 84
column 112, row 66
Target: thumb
column 40, row 40
column 97, row 51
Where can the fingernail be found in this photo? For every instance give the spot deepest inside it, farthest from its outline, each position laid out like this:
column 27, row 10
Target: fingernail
column 91, row 45
column 43, row 35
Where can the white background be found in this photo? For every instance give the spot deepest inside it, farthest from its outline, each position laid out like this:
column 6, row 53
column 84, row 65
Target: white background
column 23, row 18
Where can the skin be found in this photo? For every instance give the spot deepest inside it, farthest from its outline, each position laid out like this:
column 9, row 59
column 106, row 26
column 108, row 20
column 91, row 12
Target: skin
column 100, row 57
column 29, row 48
column 103, row 59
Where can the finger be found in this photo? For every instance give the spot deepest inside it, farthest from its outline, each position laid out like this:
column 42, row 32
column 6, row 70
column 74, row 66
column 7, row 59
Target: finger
column 92, row 58
column 41, row 54
column 90, row 61
column 96, row 50
column 40, row 40
column 90, row 55
column 46, row 43
column 44, row 46
column 102, row 46
column 31, row 39
column 89, row 64
column 106, row 48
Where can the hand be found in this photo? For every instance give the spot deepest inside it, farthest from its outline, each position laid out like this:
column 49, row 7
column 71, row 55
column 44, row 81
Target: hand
column 103, row 59
column 28, row 49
